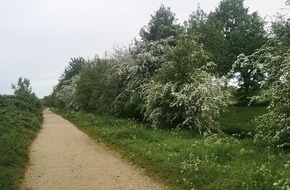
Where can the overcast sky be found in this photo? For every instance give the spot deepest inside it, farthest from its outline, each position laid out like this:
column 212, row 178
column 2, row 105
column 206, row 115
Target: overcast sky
column 38, row 37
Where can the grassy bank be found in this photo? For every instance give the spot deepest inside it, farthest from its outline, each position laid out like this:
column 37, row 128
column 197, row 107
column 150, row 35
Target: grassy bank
column 185, row 161
column 19, row 123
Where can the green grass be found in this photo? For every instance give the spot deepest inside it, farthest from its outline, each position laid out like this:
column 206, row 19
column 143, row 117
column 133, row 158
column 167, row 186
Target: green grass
column 19, row 123
column 182, row 160
column 238, row 120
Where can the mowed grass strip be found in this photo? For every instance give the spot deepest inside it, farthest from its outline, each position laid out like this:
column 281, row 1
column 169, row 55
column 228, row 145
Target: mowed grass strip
column 185, row 161
column 19, row 124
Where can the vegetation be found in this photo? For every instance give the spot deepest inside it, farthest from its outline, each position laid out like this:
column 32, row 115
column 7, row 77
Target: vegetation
column 20, row 119
column 187, row 161
column 176, row 78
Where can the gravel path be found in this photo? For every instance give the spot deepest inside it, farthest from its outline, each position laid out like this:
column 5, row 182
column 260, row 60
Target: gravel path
column 63, row 157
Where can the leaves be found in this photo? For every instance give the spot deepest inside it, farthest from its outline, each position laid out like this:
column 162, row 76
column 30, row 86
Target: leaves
column 183, row 94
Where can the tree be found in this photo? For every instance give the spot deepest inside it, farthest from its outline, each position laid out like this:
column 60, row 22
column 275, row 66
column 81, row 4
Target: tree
column 196, row 22
column 22, row 87
column 274, row 126
column 93, row 89
column 162, row 25
column 67, row 94
column 65, row 82
column 183, row 94
column 243, row 32
column 225, row 34
column 74, row 68
column 23, row 91
column 248, row 71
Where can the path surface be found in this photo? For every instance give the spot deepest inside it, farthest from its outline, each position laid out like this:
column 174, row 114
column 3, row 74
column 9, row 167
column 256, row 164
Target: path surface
column 63, row 157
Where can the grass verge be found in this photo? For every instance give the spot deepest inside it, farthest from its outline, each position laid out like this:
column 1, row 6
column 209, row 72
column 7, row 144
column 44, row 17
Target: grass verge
column 19, row 124
column 184, row 161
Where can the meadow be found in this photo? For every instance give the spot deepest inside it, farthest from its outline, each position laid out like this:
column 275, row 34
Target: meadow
column 183, row 160
column 19, row 123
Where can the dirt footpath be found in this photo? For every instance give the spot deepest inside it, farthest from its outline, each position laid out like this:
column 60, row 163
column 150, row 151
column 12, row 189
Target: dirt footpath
column 63, row 157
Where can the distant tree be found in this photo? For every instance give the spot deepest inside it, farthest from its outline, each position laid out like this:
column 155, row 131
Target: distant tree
column 23, row 91
column 93, row 89
column 22, row 87
column 162, row 25
column 67, row 94
column 74, row 68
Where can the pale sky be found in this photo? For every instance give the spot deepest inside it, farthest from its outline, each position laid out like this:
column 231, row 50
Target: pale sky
column 38, row 37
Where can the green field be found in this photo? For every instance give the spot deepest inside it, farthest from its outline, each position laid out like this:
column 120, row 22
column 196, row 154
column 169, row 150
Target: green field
column 19, row 124
column 186, row 161
column 238, row 120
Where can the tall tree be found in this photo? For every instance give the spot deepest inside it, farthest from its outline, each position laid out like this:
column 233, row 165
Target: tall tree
column 162, row 25
column 226, row 33
column 196, row 22
column 231, row 31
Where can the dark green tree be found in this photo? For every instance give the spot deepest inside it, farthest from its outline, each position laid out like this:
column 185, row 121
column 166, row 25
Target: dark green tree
column 162, row 25
column 196, row 22
column 22, row 87
column 23, row 91
column 243, row 32
column 94, row 91
column 225, row 34
column 74, row 68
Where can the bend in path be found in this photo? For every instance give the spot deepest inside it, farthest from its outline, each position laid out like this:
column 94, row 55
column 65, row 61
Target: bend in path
column 63, row 157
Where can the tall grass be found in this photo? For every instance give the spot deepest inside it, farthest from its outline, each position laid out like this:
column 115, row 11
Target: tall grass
column 184, row 161
column 19, row 123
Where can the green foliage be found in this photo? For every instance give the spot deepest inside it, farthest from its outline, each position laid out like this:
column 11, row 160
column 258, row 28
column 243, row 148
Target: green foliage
column 274, row 63
column 250, row 76
column 63, row 95
column 162, row 25
column 183, row 94
column 93, row 91
column 20, row 120
column 227, row 33
column 74, row 68
column 23, row 90
column 67, row 94
column 185, row 161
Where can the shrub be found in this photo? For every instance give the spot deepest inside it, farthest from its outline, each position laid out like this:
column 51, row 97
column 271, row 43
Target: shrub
column 183, row 94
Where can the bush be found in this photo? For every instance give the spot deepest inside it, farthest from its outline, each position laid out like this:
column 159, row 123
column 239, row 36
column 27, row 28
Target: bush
column 183, row 93
column 19, row 123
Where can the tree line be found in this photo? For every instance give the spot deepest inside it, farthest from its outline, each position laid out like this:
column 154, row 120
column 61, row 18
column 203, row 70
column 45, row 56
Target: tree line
column 179, row 75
